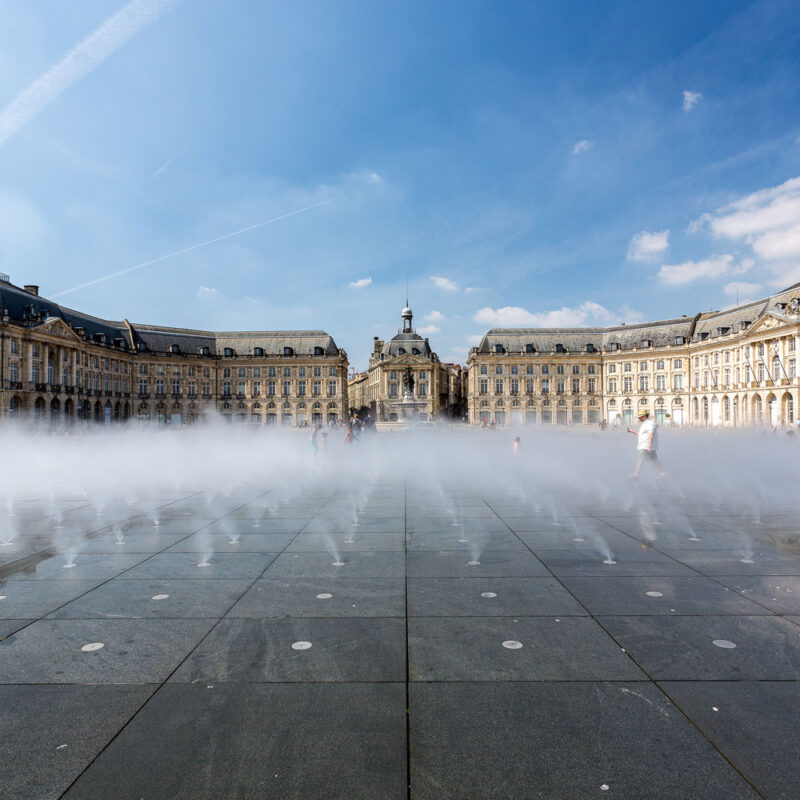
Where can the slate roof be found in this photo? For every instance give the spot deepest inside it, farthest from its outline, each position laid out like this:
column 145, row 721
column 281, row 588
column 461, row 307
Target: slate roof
column 32, row 310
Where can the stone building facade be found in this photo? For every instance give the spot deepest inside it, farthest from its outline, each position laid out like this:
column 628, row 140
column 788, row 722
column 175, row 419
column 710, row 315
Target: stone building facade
column 436, row 385
column 59, row 365
column 732, row 368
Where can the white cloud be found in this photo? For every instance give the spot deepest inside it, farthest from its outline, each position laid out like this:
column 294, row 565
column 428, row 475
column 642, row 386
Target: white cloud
column 429, row 330
column 205, row 291
column 362, row 283
column 768, row 221
column 473, row 289
column 79, row 62
column 691, row 99
column 444, row 283
column 587, row 313
column 374, row 177
column 582, row 146
column 474, row 339
column 435, row 316
column 688, row 271
column 742, row 288
column 647, row 246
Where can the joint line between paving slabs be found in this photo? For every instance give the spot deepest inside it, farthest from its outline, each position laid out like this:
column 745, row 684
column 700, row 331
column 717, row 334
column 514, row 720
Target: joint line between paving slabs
column 640, row 666
column 161, row 685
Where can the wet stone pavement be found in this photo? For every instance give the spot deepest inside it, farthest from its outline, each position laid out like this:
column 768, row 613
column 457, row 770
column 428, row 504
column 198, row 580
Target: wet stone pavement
column 471, row 647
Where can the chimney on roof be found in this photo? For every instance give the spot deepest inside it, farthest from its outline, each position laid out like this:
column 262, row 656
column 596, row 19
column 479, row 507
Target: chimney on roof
column 31, row 288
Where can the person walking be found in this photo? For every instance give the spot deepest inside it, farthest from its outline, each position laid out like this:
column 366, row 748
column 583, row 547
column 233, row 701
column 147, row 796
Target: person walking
column 647, row 444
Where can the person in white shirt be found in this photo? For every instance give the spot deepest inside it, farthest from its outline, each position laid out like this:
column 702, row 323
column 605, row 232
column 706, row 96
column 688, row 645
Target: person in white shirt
column 647, row 443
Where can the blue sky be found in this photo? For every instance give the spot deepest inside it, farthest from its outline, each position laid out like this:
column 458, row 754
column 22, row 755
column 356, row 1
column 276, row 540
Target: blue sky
column 523, row 163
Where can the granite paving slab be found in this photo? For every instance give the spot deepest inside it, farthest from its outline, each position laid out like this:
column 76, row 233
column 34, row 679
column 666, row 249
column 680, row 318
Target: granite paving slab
column 203, row 542
column 346, row 524
column 753, row 723
column 284, row 525
column 489, row 597
column 186, row 566
column 133, row 650
column 85, row 567
column 262, row 651
column 50, row 734
column 591, row 562
column 487, row 741
column 34, row 599
column 742, row 561
column 491, row 563
column 355, row 540
column 127, row 543
column 293, row 742
column 778, row 593
column 356, row 564
column 469, row 524
column 552, row 649
column 9, row 626
column 323, row 597
column 683, row 648
column 151, row 599
column 659, row 595
column 456, row 539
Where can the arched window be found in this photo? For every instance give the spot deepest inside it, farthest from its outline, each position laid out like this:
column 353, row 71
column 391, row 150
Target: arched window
column 288, row 351
column 319, row 351
column 228, row 352
column 258, row 351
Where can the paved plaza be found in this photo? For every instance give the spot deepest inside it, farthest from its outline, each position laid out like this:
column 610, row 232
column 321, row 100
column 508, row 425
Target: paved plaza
column 463, row 646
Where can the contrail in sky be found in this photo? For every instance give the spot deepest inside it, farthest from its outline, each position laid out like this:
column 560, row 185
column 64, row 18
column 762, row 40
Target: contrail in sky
column 190, row 248
column 79, row 62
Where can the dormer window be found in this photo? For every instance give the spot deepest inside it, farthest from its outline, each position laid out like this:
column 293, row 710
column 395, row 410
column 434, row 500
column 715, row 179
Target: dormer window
column 319, row 351
column 590, row 348
column 401, row 351
column 174, row 349
column 680, row 340
column 415, row 351
column 498, row 348
column 795, row 304
column 646, row 343
column 228, row 352
column 141, row 347
column 288, row 351
column 744, row 324
column 780, row 306
column 722, row 331
column 613, row 346
column 703, row 335
column 560, row 348
column 258, row 351
column 529, row 348
column 203, row 351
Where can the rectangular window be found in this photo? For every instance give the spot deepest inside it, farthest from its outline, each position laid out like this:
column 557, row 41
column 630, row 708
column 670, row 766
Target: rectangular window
column 545, row 385
column 590, row 385
column 331, row 388
column 271, row 372
column 498, row 370
column 644, row 383
column 560, row 369
column 316, row 389
column 627, row 367
column 484, row 386
column 515, row 370
column 116, row 384
column 287, row 372
column 14, row 347
column 142, row 385
column 423, row 390
column 226, row 388
column 192, row 389
column 14, row 371
column 545, row 369
column 301, row 372
column 678, row 363
column 659, row 365
column 159, row 368
column 529, row 369
column 226, row 373
column 484, row 369
column 761, row 371
column 125, row 385
column 331, row 372
column 242, row 372
column 792, row 369
column 301, row 387
column 529, row 386
column 792, row 344
column 317, row 372
column 176, row 386
column 392, row 390
column 143, row 369
column 627, row 384
column 661, row 383
column 514, row 385
column 576, row 369
column 159, row 387
column 576, row 385
column 35, row 350
column 35, row 373
column 271, row 388
column 242, row 389
column 287, row 388
column 590, row 369
column 560, row 386
column 498, row 386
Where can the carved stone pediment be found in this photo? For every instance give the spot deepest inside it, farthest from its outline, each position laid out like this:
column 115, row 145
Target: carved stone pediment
column 59, row 328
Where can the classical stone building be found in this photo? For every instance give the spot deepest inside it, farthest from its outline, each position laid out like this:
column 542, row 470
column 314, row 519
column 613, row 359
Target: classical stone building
column 61, row 365
column 436, row 385
column 731, row 368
